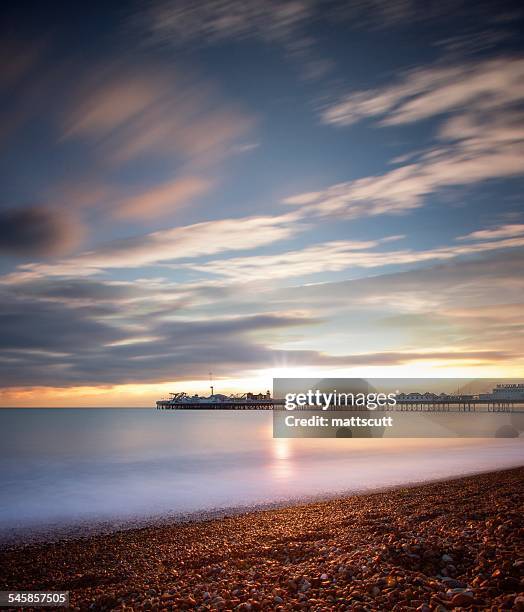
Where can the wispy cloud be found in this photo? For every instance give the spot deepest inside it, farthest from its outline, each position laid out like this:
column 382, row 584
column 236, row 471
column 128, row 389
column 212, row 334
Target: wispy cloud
column 326, row 257
column 207, row 238
column 481, row 136
column 285, row 24
column 112, row 116
column 467, row 304
column 129, row 112
column 183, row 22
column 183, row 244
column 163, row 197
column 474, row 148
column 339, row 255
column 502, row 231
column 480, row 86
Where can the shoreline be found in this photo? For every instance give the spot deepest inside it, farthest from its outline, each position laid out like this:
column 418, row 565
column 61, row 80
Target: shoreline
column 51, row 532
column 448, row 544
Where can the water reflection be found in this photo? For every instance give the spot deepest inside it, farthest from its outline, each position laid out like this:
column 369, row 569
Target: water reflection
column 282, row 459
column 84, row 464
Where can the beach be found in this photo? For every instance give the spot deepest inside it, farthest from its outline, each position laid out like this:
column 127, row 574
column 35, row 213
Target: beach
column 455, row 544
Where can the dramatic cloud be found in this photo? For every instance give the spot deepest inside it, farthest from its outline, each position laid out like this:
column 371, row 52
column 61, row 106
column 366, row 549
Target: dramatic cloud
column 38, row 231
column 170, row 282
column 62, row 344
column 66, row 345
column 83, row 332
column 37, row 326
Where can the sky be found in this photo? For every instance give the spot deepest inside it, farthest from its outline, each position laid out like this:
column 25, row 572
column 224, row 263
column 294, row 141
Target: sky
column 257, row 189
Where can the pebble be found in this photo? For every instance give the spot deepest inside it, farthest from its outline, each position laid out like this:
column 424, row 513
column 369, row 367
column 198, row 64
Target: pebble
column 414, row 548
column 453, row 584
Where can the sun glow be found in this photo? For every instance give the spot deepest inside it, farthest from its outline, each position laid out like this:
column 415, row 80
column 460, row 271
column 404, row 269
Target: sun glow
column 146, row 394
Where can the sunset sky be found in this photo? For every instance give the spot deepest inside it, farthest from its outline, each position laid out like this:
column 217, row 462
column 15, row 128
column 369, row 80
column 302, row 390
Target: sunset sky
column 255, row 189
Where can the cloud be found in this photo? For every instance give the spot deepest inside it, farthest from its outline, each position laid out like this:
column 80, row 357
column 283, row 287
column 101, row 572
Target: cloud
column 395, row 192
column 481, row 152
column 132, row 112
column 403, row 357
column 339, row 255
column 19, row 59
column 377, row 15
column 49, row 327
column 83, row 331
column 184, row 22
column 480, row 136
column 458, row 306
column 38, row 231
column 176, row 126
column 213, row 237
column 63, row 344
column 164, row 197
column 425, row 92
column 286, row 24
column 503, row 231
column 491, row 279
column 126, row 112
column 184, row 242
column 325, row 257
column 78, row 289
column 26, row 83
column 477, row 131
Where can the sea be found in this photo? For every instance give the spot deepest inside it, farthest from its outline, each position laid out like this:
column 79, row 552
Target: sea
column 65, row 467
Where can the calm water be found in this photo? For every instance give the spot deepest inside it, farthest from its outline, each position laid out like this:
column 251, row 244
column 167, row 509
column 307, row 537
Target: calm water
column 77, row 464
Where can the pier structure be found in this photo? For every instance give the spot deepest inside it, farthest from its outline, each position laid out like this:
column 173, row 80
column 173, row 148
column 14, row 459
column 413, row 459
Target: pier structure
column 458, row 404
column 440, row 404
column 233, row 404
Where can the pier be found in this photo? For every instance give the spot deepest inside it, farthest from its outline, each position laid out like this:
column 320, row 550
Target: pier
column 448, row 404
column 242, row 404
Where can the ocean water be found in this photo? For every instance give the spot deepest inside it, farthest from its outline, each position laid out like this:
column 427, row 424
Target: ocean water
column 72, row 465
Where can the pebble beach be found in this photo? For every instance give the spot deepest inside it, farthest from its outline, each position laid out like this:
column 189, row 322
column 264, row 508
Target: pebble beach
column 453, row 545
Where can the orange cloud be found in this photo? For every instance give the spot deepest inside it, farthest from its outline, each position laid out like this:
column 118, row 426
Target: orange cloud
column 164, row 197
column 129, row 112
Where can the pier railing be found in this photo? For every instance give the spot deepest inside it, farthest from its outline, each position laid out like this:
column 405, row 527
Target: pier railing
column 451, row 404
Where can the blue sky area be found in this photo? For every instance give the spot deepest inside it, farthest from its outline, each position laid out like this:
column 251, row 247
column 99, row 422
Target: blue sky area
column 257, row 188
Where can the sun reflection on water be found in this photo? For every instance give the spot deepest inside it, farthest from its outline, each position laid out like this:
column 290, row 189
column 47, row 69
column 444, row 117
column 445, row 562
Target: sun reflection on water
column 282, row 463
